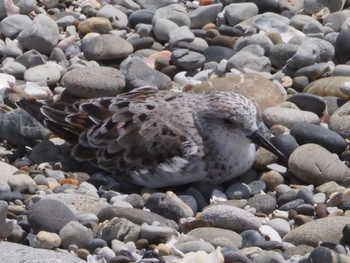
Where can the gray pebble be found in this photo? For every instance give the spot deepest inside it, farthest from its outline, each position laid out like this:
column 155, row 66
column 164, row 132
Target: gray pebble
column 309, row 102
column 310, row 133
column 238, row 191
column 236, row 13
column 193, row 246
column 327, row 229
column 77, row 234
column 86, row 82
column 230, row 217
column 319, row 167
column 6, row 226
column 263, row 203
column 119, row 228
column 107, row 47
column 246, row 60
column 12, row 25
column 287, row 116
column 167, row 206
column 187, row 60
column 49, row 215
column 48, row 73
column 203, row 15
column 42, row 34
column 138, row 74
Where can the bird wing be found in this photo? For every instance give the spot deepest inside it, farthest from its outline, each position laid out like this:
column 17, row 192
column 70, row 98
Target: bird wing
column 134, row 131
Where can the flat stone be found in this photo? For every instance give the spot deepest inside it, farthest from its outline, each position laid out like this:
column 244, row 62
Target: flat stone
column 327, row 229
column 87, row 83
column 288, row 117
column 310, row 133
column 15, row 253
column 230, row 217
column 48, row 73
column 314, row 164
column 107, row 47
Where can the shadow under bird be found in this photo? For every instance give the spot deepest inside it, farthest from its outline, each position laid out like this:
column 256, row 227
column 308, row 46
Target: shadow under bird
column 160, row 138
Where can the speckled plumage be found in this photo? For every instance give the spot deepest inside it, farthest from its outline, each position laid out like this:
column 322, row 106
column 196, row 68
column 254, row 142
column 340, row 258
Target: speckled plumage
column 161, row 138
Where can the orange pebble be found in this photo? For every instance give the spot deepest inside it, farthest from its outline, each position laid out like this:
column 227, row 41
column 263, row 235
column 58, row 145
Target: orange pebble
column 69, row 181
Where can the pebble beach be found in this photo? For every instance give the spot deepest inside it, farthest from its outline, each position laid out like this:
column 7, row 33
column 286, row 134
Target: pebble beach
column 290, row 57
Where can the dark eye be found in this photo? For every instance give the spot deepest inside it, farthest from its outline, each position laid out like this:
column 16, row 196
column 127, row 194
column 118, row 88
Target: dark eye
column 228, row 122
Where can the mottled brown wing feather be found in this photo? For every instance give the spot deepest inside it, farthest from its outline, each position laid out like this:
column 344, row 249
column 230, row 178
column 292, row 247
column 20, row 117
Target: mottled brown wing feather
column 123, row 133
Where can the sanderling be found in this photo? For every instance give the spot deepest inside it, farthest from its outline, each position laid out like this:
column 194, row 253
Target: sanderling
column 161, row 138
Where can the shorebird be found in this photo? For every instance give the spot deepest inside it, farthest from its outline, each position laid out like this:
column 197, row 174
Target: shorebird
column 160, row 138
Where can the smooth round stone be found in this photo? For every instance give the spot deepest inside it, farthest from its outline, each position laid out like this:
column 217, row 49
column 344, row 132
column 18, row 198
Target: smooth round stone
column 263, row 203
column 288, row 117
column 176, row 13
column 6, row 227
column 137, row 216
column 310, row 133
column 340, row 121
column 18, row 252
column 306, row 194
column 280, row 225
column 47, row 240
column 99, row 25
column 342, row 49
column 97, row 243
column 272, row 179
column 87, row 83
column 42, row 34
column 138, row 74
column 327, row 229
column 203, row 15
column 330, row 86
column 244, row 59
column 257, row 187
column 236, row 13
column 190, row 201
column 168, row 206
column 135, row 200
column 285, row 196
column 106, row 253
column 323, row 254
column 49, row 73
column 291, row 205
column 217, row 53
column 119, row 18
column 319, row 198
column 209, row 234
column 195, row 245
column 187, row 60
column 162, row 28
column 77, row 234
column 107, row 47
column 200, row 199
column 49, row 215
column 313, row 6
column 309, row 102
column 319, row 167
column 333, row 104
column 341, row 70
column 14, row 24
column 141, row 16
column 235, row 256
column 257, row 39
column 156, row 232
column 305, row 209
column 20, row 128
column 281, row 53
column 268, row 256
column 31, row 58
column 119, row 228
column 251, row 238
column 238, row 191
column 11, row 196
column 45, row 151
column 315, row 71
column 285, row 143
column 230, row 217
column 21, row 181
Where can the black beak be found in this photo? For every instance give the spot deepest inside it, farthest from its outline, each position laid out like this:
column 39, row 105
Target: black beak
column 260, row 140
